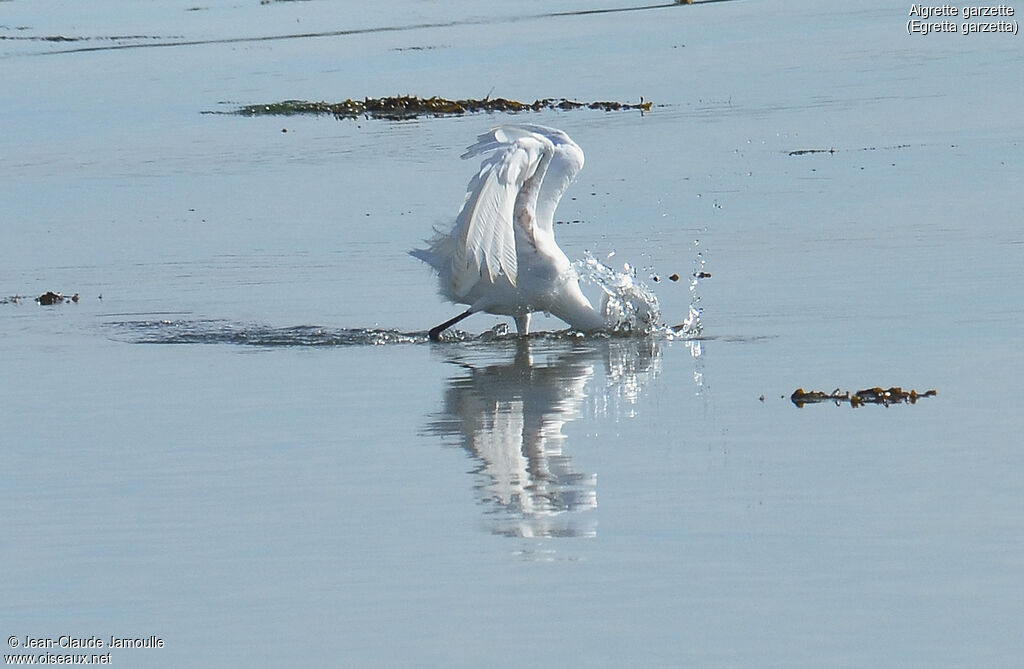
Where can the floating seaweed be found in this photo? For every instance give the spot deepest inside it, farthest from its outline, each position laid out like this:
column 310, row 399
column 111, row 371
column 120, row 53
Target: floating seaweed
column 675, row 277
column 46, row 299
column 833, row 151
column 50, row 297
column 804, row 152
column 409, row 106
column 876, row 395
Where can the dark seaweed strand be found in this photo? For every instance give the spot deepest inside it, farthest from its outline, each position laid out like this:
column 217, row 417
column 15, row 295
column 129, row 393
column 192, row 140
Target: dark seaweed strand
column 400, row 107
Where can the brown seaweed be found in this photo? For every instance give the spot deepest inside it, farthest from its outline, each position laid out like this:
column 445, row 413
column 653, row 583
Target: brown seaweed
column 50, row 297
column 833, row 151
column 410, row 106
column 46, row 299
column 876, row 395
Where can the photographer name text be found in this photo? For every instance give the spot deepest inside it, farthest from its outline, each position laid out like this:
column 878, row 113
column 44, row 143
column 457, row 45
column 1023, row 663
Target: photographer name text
column 69, row 641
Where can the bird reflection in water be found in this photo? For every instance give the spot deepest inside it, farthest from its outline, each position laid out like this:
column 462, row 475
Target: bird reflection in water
column 509, row 416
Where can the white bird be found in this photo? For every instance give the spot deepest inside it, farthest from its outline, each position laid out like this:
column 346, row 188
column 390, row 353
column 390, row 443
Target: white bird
column 501, row 256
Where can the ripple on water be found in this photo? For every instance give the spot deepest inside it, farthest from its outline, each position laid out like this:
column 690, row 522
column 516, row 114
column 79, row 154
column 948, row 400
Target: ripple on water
column 211, row 331
column 629, row 306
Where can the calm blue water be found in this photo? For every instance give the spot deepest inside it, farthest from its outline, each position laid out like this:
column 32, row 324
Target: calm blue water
column 239, row 441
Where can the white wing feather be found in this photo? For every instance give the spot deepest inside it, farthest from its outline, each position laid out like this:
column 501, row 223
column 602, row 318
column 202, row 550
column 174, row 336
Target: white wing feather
column 484, row 238
column 524, row 174
column 566, row 162
column 485, row 230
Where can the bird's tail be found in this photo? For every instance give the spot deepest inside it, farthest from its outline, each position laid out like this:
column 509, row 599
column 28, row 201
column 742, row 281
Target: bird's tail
column 438, row 253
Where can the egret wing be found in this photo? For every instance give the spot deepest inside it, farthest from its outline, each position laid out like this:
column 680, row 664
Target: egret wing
column 485, row 229
column 551, row 178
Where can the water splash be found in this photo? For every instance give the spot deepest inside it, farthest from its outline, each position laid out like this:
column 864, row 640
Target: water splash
column 628, row 304
column 692, row 325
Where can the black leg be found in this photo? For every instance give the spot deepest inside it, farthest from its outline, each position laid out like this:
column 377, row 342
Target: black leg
column 435, row 333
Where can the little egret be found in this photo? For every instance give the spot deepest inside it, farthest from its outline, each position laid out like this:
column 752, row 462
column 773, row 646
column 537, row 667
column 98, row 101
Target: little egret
column 501, row 256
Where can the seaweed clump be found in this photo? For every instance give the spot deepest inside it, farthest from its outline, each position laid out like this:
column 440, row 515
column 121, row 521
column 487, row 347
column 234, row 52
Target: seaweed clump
column 50, row 297
column 876, row 395
column 46, row 299
column 410, row 106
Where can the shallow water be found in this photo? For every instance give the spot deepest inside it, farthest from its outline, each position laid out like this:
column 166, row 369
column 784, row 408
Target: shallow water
column 240, row 441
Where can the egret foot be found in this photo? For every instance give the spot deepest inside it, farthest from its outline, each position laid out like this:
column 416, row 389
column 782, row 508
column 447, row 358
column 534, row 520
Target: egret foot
column 435, row 333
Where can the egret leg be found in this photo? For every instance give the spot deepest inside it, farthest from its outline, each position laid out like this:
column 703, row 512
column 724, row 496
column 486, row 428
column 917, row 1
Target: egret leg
column 523, row 324
column 435, row 333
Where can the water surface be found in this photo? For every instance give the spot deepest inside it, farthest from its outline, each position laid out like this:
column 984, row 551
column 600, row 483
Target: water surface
column 247, row 448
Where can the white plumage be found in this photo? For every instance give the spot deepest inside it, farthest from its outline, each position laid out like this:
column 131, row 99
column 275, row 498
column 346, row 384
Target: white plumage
column 501, row 256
